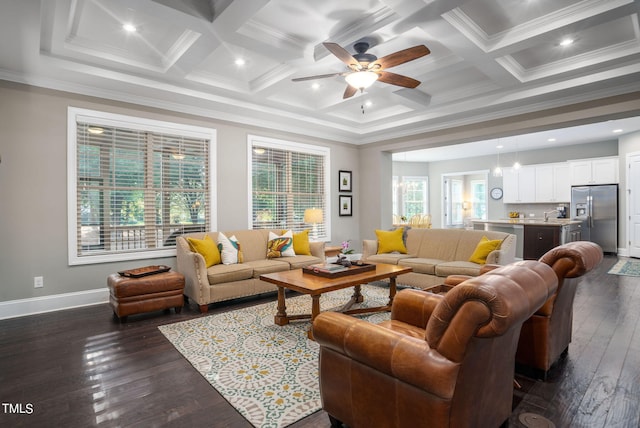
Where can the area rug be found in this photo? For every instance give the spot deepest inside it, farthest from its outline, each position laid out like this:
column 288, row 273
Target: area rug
column 627, row 267
column 268, row 373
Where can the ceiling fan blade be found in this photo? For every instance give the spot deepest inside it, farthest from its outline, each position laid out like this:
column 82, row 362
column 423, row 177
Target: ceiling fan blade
column 402, row 56
column 349, row 92
column 319, row 76
column 397, row 79
column 341, row 53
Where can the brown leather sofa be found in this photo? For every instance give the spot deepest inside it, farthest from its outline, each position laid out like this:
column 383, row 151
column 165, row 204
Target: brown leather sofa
column 545, row 337
column 442, row 360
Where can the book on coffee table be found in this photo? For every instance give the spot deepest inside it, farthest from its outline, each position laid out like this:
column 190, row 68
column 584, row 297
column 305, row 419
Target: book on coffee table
column 328, row 267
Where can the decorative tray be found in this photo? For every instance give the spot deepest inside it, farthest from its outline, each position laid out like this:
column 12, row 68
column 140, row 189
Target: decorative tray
column 144, row 271
column 321, row 270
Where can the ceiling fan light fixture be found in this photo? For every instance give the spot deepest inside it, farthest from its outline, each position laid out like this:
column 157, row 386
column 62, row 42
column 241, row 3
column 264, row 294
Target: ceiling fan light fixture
column 361, row 79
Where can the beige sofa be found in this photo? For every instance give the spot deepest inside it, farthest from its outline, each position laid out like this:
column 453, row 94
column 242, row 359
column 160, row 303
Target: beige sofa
column 224, row 282
column 434, row 254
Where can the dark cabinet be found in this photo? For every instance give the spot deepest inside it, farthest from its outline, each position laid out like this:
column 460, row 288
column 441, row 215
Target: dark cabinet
column 539, row 239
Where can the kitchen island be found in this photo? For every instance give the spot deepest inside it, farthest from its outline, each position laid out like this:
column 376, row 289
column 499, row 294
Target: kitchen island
column 534, row 236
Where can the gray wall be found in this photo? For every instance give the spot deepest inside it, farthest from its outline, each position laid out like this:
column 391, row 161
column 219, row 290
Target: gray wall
column 33, row 188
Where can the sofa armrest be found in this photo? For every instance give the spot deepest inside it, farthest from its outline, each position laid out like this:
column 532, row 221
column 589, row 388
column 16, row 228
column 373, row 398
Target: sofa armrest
column 506, row 254
column 406, row 358
column 192, row 266
column 369, row 248
column 317, row 249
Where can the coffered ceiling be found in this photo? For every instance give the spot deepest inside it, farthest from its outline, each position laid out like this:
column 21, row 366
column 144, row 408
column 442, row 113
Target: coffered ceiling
column 489, row 58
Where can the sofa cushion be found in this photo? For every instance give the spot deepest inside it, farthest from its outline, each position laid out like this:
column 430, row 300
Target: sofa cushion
column 207, row 248
column 253, row 242
column 390, row 241
column 301, row 243
column 440, row 244
column 420, row 265
column 298, row 262
column 484, row 247
column 218, row 274
column 261, row 267
column 457, row 268
column 280, row 245
column 390, row 258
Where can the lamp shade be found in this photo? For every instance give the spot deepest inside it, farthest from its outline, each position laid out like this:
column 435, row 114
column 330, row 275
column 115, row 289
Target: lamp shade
column 313, row 215
column 361, row 79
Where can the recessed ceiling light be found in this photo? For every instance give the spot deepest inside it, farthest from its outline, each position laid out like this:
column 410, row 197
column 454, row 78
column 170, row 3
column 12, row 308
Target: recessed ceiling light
column 368, row 104
column 566, row 42
column 499, row 146
column 240, row 62
column 551, row 140
column 315, row 86
column 129, row 28
column 617, row 131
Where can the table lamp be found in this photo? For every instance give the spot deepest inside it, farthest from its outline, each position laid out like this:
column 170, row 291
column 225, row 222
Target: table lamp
column 313, row 216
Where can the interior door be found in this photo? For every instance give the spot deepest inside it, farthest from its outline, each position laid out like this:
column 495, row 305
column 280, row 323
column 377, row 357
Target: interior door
column 633, row 202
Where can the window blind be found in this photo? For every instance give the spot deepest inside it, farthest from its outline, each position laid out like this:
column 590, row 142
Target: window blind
column 137, row 190
column 285, row 182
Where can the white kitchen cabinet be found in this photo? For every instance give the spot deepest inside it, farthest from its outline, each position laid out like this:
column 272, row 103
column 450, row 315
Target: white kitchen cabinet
column 594, row 171
column 519, row 185
column 562, row 182
column 552, row 182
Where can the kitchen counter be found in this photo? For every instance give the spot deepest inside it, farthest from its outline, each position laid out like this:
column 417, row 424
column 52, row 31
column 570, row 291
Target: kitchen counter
column 534, row 236
column 531, row 221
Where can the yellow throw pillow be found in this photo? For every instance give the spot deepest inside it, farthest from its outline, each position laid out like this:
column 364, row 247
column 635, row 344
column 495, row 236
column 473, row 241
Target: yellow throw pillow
column 208, row 248
column 484, row 247
column 390, row 241
column 301, row 243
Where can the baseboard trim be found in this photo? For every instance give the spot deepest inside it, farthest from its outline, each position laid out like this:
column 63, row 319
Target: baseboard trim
column 56, row 302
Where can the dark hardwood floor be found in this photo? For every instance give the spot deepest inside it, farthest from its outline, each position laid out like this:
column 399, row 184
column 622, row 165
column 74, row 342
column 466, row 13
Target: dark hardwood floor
column 79, row 368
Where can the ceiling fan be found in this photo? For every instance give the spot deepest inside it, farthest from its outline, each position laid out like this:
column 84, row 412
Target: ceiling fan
column 366, row 68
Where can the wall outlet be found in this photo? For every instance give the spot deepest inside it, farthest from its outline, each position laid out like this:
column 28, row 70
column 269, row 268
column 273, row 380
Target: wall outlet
column 38, row 282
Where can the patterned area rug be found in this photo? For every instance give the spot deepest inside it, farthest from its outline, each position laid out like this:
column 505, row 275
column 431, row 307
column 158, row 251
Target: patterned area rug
column 628, row 267
column 269, row 373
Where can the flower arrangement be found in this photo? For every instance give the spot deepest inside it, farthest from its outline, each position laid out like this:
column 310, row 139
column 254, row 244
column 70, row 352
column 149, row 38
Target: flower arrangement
column 345, row 247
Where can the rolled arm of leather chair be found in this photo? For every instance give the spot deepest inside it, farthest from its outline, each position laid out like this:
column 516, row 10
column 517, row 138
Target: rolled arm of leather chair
column 414, row 307
column 394, row 354
column 573, row 259
column 570, row 260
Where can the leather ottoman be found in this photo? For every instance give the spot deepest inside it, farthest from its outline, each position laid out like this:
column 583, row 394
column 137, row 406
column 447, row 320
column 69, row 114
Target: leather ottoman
column 129, row 296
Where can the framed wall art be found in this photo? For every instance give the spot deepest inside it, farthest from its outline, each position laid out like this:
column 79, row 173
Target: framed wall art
column 344, row 181
column 345, row 205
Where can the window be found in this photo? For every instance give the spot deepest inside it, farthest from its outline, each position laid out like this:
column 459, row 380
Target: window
column 479, row 199
column 410, row 196
column 134, row 185
column 457, row 189
column 285, row 179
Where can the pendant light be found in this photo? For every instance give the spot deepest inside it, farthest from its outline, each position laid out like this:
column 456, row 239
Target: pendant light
column 497, row 171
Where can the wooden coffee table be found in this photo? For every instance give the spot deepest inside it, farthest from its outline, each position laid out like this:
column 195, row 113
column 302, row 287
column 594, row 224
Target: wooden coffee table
column 315, row 286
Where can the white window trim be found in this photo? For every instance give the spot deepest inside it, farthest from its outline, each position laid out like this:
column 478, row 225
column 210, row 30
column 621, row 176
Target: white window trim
column 74, row 115
column 292, row 146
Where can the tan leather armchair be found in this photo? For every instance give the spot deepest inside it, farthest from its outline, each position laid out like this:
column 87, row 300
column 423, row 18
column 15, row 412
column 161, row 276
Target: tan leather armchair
column 442, row 360
column 545, row 337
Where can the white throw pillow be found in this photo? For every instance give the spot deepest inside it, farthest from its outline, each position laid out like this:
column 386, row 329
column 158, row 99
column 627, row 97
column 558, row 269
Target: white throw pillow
column 280, row 245
column 230, row 251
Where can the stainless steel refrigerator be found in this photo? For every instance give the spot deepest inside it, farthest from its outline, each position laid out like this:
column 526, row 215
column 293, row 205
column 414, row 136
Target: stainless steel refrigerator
column 597, row 207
